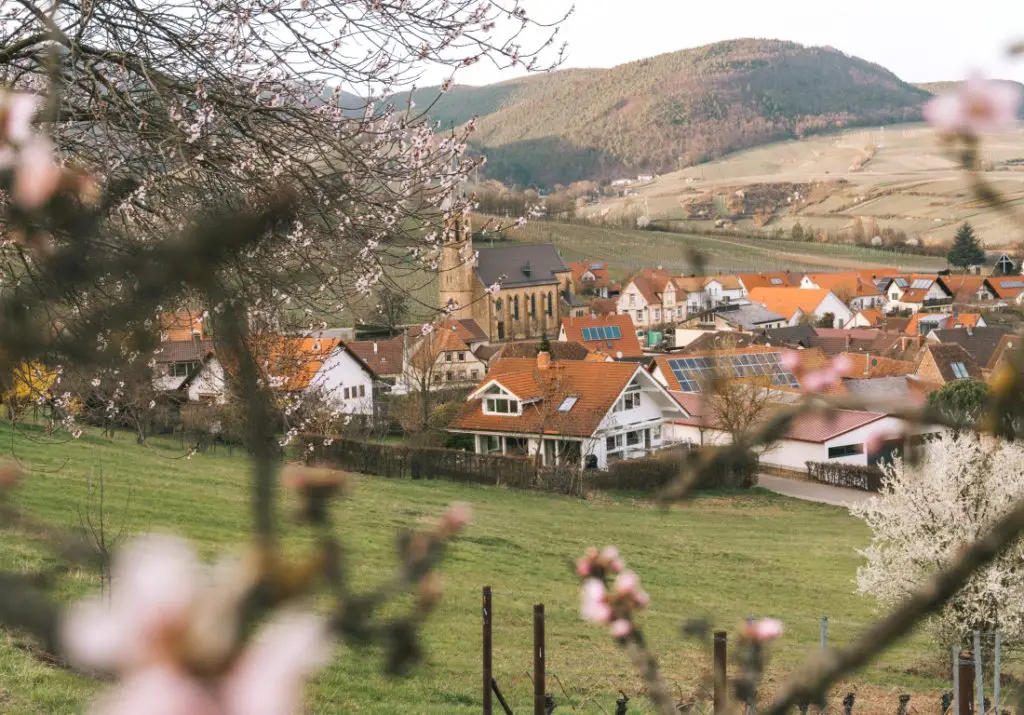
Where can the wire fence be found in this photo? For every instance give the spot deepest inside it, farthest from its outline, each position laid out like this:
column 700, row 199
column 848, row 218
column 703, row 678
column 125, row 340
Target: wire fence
column 977, row 676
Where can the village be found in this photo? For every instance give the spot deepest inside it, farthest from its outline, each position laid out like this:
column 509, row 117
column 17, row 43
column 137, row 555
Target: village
column 556, row 362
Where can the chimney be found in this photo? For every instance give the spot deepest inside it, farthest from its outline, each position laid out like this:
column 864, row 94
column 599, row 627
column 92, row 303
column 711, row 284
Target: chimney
column 543, row 360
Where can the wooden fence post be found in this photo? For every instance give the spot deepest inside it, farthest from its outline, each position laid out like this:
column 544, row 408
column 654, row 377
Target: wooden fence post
column 488, row 705
column 965, row 672
column 719, row 672
column 538, row 659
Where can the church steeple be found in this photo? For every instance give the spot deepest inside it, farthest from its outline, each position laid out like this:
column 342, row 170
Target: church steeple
column 457, row 255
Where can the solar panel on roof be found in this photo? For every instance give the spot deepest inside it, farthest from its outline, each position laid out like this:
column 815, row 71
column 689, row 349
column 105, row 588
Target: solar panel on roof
column 602, row 332
column 1011, row 284
column 921, row 283
column 776, row 281
column 691, row 371
column 901, row 282
column 597, row 266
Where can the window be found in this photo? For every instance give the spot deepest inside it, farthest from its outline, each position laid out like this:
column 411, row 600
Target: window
column 447, row 357
column 657, row 314
column 475, row 374
column 362, row 390
column 551, row 303
column 567, row 403
column 634, row 438
column 515, row 308
column 656, row 433
column 613, row 443
column 959, row 370
column 533, row 305
column 449, row 376
column 776, row 281
column 846, row 450
column 498, row 305
column 501, row 406
column 501, row 330
column 630, row 400
column 462, row 357
column 632, row 300
column 182, row 369
column 491, row 443
column 348, row 392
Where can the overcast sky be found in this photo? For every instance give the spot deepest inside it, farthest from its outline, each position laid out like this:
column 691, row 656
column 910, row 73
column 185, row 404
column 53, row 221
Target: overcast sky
column 919, row 40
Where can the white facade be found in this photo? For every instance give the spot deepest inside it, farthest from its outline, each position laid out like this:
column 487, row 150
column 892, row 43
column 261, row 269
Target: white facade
column 894, row 295
column 631, row 429
column 632, row 302
column 794, row 454
column 209, row 384
column 345, row 382
column 832, row 304
column 718, row 293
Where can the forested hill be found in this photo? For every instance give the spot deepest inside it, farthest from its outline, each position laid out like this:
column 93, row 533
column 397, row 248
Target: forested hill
column 672, row 110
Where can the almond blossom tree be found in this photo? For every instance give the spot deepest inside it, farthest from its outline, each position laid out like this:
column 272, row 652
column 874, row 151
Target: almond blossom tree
column 928, row 512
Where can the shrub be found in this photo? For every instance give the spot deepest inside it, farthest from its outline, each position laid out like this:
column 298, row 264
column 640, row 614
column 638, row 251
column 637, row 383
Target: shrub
column 731, row 470
column 852, row 476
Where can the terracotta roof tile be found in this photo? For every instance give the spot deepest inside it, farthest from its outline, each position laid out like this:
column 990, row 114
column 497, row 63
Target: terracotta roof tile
column 628, row 344
column 945, row 354
column 866, row 365
column 596, row 385
column 786, row 301
column 599, row 269
column 1006, row 287
column 181, row 325
column 768, row 280
column 529, row 349
column 189, row 350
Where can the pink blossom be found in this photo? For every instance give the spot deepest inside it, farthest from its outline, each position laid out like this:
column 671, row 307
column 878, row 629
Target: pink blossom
column 37, row 176
column 268, row 677
column 157, row 691
column 457, row 516
column 153, row 588
column 609, row 553
column 627, row 582
column 616, row 565
column 594, row 602
column 791, row 360
column 765, row 629
column 641, row 599
column 842, row 365
column 18, row 110
column 979, row 106
column 583, row 567
column 427, row 328
column 620, row 628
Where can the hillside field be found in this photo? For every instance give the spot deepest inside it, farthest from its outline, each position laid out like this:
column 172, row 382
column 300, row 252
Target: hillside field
column 726, row 556
column 896, row 176
column 626, row 250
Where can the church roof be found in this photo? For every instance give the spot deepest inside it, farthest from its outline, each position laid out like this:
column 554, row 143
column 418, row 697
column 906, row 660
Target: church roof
column 520, row 264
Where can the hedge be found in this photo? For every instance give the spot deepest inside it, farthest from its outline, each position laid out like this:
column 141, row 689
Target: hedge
column 852, row 476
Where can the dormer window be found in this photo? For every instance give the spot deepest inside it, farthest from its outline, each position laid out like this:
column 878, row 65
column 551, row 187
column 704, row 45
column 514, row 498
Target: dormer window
column 630, row 399
column 499, row 402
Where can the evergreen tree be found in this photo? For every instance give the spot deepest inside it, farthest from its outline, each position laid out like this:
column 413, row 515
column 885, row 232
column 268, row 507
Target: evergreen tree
column 966, row 251
column 545, row 346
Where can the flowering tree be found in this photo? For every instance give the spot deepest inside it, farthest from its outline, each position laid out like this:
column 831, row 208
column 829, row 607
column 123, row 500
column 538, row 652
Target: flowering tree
column 928, row 512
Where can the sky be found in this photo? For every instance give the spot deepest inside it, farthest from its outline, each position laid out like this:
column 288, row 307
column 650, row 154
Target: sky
column 919, row 40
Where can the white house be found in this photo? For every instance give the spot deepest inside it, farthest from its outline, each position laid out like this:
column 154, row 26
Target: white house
column 839, row 437
column 346, row 380
column 567, row 412
column 797, row 303
column 175, row 360
column 642, row 298
column 915, row 292
column 857, row 291
column 206, row 383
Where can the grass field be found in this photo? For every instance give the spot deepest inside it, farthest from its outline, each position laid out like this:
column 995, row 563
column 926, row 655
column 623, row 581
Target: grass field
column 723, row 556
column 626, row 250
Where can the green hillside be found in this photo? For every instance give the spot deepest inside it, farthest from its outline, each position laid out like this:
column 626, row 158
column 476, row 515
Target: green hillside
column 673, row 110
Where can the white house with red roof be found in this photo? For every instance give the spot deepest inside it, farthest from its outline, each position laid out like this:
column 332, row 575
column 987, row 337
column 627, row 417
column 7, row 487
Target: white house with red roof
column 841, row 436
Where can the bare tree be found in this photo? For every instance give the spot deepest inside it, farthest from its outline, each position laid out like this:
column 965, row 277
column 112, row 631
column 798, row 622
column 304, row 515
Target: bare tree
column 100, row 534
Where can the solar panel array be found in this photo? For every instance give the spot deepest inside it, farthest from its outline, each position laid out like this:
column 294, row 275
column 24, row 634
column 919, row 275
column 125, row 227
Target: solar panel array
column 901, row 282
column 921, row 283
column 1011, row 284
column 602, row 332
column 691, row 372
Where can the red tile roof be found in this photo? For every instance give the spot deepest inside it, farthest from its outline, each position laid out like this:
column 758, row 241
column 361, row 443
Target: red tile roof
column 786, row 301
column 384, row 357
column 765, row 280
column 596, row 385
column 868, row 365
column 1006, row 287
column 816, row 427
column 628, row 344
column 599, row 269
column 182, row 325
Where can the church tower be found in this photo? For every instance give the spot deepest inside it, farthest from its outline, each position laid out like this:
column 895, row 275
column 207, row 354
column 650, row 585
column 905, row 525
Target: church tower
column 457, row 264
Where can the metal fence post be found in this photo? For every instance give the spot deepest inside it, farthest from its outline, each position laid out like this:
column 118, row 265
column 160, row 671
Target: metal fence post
column 488, row 705
column 996, row 676
column 538, row 660
column 965, row 666
column 824, row 632
column 719, row 672
column 979, row 675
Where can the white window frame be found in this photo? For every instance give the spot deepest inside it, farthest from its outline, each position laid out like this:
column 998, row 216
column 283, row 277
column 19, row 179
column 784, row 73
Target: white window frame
column 492, row 403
